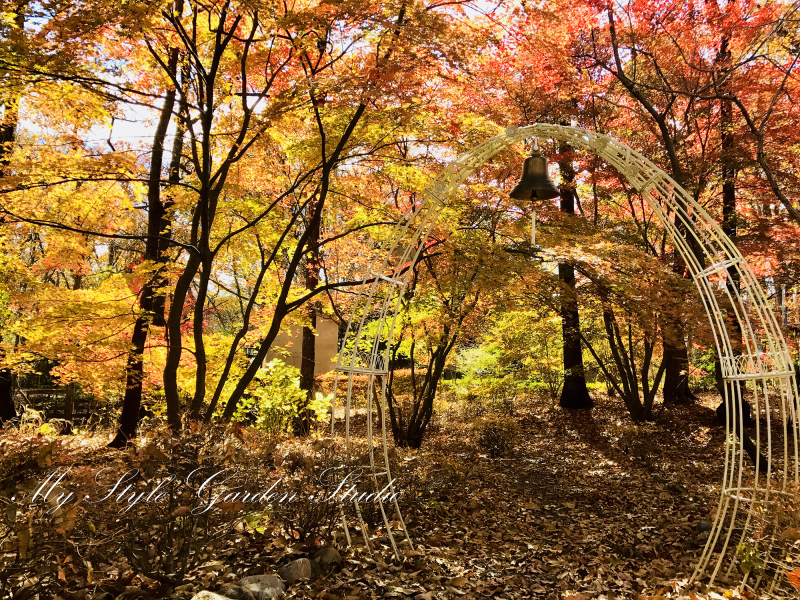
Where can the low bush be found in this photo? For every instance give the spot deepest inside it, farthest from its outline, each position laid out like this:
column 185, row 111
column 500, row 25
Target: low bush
column 496, row 435
column 276, row 399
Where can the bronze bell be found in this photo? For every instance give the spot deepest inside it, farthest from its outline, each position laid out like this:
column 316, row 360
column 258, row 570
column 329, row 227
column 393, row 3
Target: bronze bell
column 535, row 183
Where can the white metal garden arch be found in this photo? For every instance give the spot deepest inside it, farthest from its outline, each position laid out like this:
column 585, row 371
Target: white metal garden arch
column 753, row 500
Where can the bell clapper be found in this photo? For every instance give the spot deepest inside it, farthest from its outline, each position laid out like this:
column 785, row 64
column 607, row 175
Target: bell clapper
column 533, row 229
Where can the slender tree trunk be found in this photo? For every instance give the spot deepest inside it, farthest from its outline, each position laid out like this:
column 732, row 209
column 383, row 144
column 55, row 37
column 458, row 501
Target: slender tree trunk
column 574, row 393
column 734, row 389
column 174, row 177
column 131, row 403
column 302, row 422
column 329, row 162
column 7, row 410
column 69, row 407
column 676, row 380
column 410, row 432
column 8, row 133
column 175, row 344
column 129, row 419
column 199, row 345
column 302, row 244
column 265, row 263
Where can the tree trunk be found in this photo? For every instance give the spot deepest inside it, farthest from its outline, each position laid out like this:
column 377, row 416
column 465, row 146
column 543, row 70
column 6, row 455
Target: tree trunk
column 302, row 422
column 676, row 381
column 165, row 227
column 412, row 435
column 735, row 389
column 175, row 344
column 408, row 431
column 302, row 245
column 301, row 425
column 676, row 374
column 129, row 419
column 7, row 410
column 201, row 360
column 8, row 133
column 69, row 408
column 574, row 393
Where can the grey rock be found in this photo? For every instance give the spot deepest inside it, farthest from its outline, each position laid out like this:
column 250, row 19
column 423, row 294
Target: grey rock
column 703, row 536
column 262, row 587
column 237, row 592
column 316, row 569
column 204, row 595
column 327, row 557
column 295, row 570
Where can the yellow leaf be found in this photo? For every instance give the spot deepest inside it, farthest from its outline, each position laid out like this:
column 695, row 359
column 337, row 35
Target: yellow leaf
column 45, row 456
column 155, row 453
column 69, row 520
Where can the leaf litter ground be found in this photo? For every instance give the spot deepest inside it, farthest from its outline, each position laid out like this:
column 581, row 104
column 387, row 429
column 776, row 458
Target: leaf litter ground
column 583, row 505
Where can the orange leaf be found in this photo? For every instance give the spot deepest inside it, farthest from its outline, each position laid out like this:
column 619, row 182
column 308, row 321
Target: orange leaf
column 794, row 578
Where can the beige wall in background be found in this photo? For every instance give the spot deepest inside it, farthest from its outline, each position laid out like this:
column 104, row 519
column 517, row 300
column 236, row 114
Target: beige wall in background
column 326, row 347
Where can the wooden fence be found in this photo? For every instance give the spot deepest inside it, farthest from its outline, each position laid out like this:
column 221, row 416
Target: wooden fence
column 56, row 403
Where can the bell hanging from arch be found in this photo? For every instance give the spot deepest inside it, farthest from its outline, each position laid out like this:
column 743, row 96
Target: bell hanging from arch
column 535, row 183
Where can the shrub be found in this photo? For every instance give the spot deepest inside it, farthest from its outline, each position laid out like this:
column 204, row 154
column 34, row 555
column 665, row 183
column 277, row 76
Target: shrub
column 276, row 399
column 701, row 371
column 307, row 517
column 496, row 435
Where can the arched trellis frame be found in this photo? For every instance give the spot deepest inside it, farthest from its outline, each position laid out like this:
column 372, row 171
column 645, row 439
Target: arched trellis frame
column 753, row 501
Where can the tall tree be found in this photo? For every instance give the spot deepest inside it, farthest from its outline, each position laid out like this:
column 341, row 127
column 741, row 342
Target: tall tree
column 574, row 393
column 153, row 255
column 308, row 350
column 10, row 95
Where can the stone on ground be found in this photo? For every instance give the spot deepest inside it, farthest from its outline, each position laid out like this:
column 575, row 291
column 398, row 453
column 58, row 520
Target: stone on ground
column 262, row 587
column 327, row 557
column 237, row 592
column 296, row 570
column 204, row 595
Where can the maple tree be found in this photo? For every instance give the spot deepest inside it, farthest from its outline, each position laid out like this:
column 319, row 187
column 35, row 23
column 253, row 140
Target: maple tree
column 201, row 251
column 574, row 394
column 231, row 67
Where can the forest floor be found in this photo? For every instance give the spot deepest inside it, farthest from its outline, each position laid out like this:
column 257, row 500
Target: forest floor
column 581, row 505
